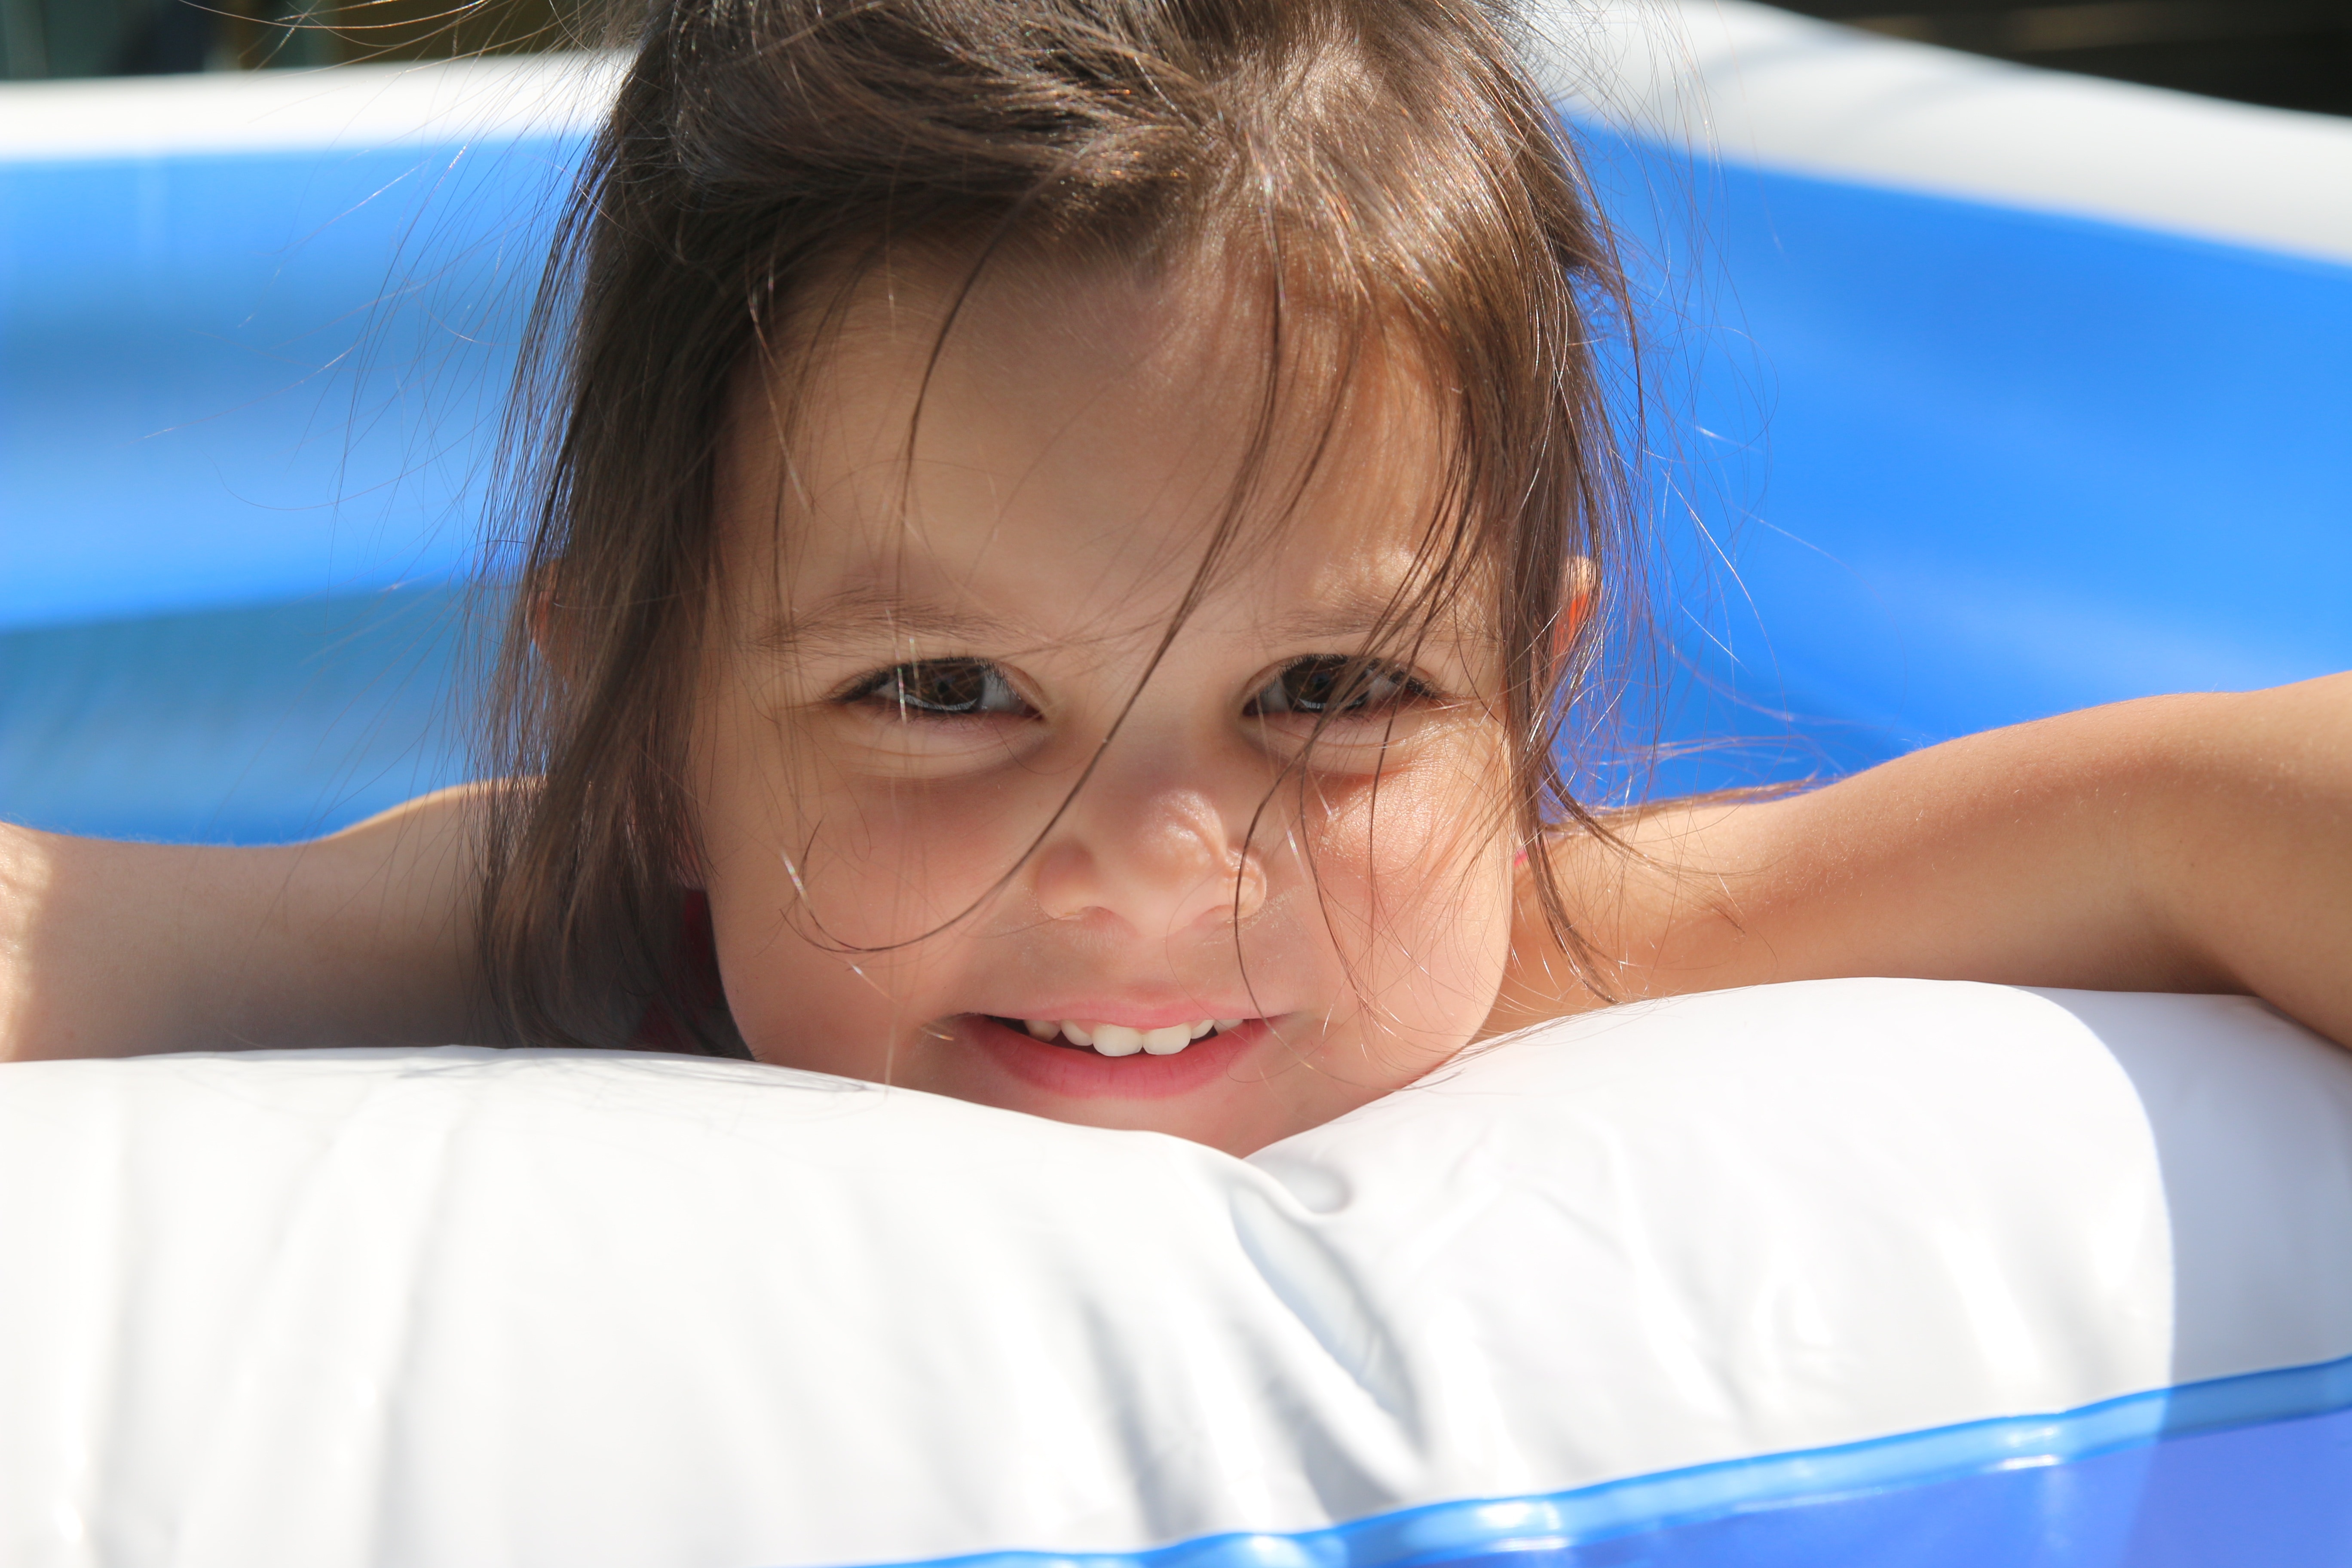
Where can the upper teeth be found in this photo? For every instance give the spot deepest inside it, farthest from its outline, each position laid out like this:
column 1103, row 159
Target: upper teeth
column 1118, row 1040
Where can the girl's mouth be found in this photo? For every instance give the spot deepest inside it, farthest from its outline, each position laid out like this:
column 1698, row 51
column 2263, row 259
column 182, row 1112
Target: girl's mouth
column 1118, row 1039
column 1114, row 1061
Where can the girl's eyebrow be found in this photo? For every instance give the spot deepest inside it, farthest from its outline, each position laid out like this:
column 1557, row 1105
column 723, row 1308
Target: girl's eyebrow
column 861, row 618
column 1353, row 615
column 1358, row 606
column 855, row 619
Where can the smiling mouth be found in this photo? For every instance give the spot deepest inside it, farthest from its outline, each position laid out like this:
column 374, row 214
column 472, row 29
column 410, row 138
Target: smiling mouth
column 1118, row 1039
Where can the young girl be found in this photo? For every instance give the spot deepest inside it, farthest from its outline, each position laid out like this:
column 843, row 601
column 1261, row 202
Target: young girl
column 1068, row 533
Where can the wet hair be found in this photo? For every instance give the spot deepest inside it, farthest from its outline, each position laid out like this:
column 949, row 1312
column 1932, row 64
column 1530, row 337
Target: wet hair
column 1387, row 168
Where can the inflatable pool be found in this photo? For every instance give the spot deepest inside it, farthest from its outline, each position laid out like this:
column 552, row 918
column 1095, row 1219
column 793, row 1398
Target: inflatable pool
column 1984, row 393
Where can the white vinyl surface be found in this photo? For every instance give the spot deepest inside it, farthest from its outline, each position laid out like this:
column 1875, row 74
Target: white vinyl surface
column 336, row 109
column 463, row 1307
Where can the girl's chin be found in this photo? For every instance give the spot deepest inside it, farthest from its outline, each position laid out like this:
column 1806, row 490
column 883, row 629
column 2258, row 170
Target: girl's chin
column 1058, row 1079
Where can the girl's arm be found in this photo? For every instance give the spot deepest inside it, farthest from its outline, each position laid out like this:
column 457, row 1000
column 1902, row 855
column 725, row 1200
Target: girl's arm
column 2195, row 843
column 358, row 939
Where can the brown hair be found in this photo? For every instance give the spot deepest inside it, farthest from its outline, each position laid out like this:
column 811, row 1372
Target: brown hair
column 1395, row 152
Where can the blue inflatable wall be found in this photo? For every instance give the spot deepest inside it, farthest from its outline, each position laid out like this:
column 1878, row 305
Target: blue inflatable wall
column 1959, row 465
column 247, row 401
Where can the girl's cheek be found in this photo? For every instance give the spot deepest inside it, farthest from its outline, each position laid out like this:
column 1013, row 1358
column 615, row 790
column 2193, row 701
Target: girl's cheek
column 1415, row 873
column 825, row 954
column 820, row 885
column 855, row 860
column 884, row 868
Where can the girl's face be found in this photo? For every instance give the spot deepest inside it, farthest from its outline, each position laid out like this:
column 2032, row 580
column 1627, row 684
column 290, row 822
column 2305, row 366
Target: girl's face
column 924, row 649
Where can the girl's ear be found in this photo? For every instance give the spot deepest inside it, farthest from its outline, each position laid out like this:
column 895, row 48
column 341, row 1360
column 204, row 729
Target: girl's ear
column 554, row 634
column 1581, row 581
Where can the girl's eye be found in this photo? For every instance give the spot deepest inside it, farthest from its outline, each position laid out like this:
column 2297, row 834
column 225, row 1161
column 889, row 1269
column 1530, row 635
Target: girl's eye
column 952, row 687
column 1337, row 685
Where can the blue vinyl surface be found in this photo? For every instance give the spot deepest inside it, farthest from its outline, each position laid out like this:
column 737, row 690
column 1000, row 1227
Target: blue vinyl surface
column 1928, row 465
column 1954, row 466
column 249, row 406
column 234, row 378
column 251, row 725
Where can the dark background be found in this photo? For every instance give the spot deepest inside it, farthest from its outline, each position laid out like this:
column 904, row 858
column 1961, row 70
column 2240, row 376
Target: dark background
column 2294, row 54
column 152, row 38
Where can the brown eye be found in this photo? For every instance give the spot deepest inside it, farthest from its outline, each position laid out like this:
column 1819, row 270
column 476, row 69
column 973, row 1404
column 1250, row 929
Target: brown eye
column 955, row 687
column 1334, row 684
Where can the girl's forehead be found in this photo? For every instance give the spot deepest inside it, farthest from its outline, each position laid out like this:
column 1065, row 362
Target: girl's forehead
column 1085, row 429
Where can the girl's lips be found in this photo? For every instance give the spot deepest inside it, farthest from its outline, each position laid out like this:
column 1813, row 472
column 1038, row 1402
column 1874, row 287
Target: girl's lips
column 1072, row 1073
column 1153, row 1018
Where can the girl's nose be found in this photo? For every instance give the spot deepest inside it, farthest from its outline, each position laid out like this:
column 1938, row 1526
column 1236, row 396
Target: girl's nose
column 1159, row 859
